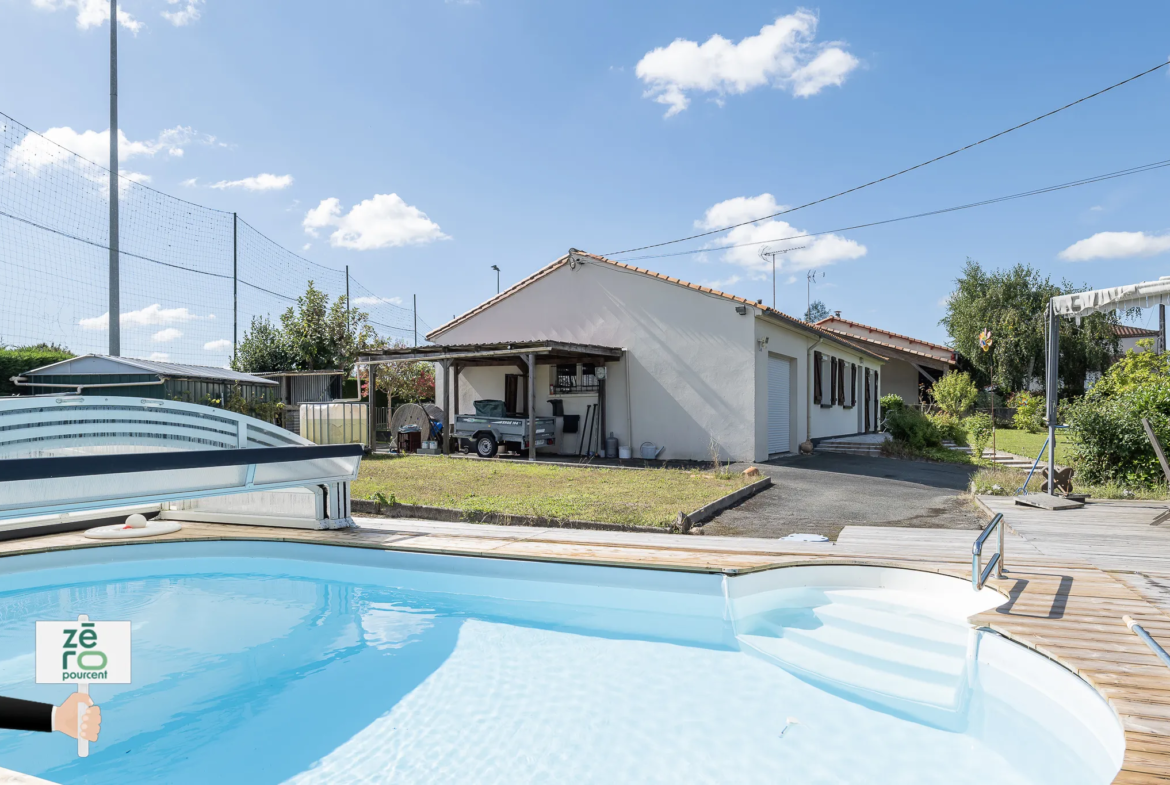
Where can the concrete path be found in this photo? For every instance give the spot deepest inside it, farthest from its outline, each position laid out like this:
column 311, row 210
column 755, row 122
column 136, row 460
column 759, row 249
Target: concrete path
column 822, row 493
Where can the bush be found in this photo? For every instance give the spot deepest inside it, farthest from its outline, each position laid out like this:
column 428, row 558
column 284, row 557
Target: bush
column 955, row 393
column 1029, row 411
column 891, row 403
column 979, row 427
column 949, row 427
column 912, row 427
column 14, row 362
column 1111, row 445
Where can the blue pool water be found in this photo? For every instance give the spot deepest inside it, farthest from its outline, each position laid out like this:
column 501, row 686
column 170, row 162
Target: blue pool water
column 282, row 663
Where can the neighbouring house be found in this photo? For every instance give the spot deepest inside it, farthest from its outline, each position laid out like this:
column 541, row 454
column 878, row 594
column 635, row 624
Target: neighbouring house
column 913, row 365
column 99, row 374
column 1128, row 337
column 687, row 367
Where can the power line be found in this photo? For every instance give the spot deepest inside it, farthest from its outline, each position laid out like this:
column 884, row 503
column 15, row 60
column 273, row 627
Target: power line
column 1035, row 192
column 895, row 174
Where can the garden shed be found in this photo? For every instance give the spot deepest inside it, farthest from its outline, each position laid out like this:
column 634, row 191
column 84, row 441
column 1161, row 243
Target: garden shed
column 97, row 373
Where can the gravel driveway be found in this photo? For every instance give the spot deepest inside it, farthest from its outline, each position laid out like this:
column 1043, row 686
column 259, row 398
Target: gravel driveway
column 823, row 492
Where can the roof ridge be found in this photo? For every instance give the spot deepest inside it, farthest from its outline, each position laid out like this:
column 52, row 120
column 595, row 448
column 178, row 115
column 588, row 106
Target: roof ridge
column 799, row 323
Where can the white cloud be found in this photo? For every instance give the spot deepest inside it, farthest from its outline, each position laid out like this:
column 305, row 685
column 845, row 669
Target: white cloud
column 724, row 283
column 91, row 13
column 150, row 316
column 36, row 152
column 377, row 300
column 381, row 222
column 260, row 182
column 159, row 357
column 306, row 246
column 184, row 16
column 814, row 251
column 1116, row 245
column 222, row 345
column 783, row 55
column 191, row 183
column 167, row 335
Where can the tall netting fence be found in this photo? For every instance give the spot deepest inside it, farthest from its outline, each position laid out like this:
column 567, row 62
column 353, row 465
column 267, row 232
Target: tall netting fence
column 192, row 278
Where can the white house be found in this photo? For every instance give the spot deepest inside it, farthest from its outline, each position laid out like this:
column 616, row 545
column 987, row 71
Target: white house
column 699, row 369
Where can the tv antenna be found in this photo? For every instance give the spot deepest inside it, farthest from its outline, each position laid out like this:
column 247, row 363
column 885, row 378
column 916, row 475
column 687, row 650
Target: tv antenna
column 767, row 253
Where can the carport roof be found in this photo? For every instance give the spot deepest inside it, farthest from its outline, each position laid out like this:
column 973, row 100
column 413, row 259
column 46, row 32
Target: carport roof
column 547, row 353
column 580, row 256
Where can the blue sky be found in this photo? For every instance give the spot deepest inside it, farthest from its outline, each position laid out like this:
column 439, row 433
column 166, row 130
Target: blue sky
column 468, row 134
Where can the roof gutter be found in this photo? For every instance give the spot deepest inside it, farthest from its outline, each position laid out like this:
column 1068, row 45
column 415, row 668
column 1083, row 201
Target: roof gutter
column 22, row 381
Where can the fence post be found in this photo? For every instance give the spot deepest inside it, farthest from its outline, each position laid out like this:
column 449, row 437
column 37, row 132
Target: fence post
column 235, row 285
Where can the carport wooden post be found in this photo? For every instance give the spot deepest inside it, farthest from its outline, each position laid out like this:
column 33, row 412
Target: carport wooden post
column 531, row 359
column 455, row 368
column 445, row 447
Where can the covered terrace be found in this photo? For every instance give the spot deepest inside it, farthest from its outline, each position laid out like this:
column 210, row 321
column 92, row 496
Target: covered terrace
column 524, row 355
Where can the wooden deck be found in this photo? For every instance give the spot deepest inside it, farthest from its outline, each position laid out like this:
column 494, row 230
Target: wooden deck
column 1071, row 576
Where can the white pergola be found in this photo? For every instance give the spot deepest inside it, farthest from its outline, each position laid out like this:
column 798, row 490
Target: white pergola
column 1139, row 295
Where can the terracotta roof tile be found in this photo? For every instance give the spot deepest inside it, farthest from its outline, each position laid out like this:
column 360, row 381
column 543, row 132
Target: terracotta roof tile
column 884, row 332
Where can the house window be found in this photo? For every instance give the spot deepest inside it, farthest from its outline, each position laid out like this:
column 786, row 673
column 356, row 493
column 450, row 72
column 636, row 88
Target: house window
column 573, row 378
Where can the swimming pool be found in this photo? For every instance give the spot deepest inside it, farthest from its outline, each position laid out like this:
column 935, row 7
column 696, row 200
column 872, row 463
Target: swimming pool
column 288, row 663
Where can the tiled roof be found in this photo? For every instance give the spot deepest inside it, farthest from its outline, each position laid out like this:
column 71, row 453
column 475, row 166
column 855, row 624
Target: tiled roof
column 884, row 332
column 792, row 321
column 892, row 346
column 1125, row 331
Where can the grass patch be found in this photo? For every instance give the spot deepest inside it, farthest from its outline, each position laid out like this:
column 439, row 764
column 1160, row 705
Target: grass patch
column 1001, row 481
column 892, row 448
column 1028, row 444
column 650, row 497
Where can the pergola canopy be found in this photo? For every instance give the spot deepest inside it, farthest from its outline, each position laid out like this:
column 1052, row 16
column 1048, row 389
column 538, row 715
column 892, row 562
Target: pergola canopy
column 1137, row 295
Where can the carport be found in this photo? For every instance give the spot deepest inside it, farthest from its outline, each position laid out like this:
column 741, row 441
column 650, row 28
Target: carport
column 525, row 355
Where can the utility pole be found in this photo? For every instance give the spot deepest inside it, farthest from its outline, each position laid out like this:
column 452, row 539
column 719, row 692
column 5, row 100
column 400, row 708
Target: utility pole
column 235, row 284
column 115, row 286
column 348, row 323
column 414, row 300
column 497, row 269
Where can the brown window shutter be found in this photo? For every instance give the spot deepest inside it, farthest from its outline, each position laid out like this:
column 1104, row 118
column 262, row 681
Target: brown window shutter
column 816, row 377
column 852, row 384
column 832, row 381
column 841, row 382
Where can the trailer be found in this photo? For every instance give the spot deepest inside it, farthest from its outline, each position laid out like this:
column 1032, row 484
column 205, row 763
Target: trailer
column 490, row 428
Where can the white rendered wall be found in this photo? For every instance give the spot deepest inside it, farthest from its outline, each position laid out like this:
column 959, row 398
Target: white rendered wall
column 838, row 420
column 691, row 357
column 901, row 378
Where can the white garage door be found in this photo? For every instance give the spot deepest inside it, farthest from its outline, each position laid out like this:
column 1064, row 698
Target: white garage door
column 778, row 394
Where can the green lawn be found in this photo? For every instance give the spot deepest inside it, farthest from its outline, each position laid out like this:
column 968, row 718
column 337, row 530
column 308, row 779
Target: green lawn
column 650, row 497
column 1029, row 444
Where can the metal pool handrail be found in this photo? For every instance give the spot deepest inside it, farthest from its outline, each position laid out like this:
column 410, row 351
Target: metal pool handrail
column 1145, row 636
column 979, row 576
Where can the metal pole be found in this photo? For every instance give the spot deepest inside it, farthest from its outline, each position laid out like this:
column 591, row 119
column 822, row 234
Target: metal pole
column 1161, row 328
column 773, row 282
column 1051, row 383
column 348, row 323
column 235, row 284
column 373, row 411
column 414, row 299
column 115, row 286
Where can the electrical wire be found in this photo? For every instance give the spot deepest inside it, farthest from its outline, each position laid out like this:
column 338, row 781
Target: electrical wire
column 1035, row 192
column 895, row 174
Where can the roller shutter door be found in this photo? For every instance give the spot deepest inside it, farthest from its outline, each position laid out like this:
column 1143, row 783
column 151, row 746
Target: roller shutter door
column 778, row 404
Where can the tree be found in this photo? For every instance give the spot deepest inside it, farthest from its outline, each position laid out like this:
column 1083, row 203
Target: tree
column 313, row 335
column 405, row 382
column 1013, row 304
column 816, row 311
